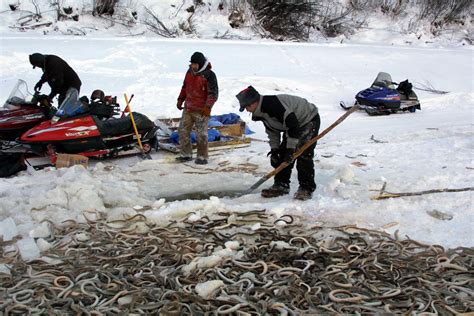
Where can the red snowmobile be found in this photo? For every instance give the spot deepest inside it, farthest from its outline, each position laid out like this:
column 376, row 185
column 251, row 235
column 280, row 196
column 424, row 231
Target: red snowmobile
column 22, row 111
column 90, row 128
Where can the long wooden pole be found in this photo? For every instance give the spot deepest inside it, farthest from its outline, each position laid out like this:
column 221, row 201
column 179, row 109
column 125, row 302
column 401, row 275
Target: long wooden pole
column 135, row 129
column 285, row 164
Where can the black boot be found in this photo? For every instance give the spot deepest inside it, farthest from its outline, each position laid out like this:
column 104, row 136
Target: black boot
column 303, row 194
column 183, row 159
column 200, row 161
column 275, row 190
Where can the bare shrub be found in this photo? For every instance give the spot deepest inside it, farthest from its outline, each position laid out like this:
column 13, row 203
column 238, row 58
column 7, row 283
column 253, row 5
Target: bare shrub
column 187, row 26
column 295, row 20
column 37, row 9
column 154, row 24
column 428, row 86
column 14, row 4
column 445, row 11
column 70, row 15
column 236, row 19
column 104, row 7
column 68, row 10
column 31, row 20
column 389, row 7
column 284, row 20
column 332, row 19
column 441, row 13
column 237, row 10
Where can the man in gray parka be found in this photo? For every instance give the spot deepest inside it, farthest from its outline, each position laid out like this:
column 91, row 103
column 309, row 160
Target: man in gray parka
column 298, row 121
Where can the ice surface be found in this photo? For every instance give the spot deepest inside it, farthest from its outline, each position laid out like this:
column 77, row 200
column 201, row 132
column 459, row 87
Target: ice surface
column 8, row 229
column 429, row 149
column 206, row 289
column 28, row 248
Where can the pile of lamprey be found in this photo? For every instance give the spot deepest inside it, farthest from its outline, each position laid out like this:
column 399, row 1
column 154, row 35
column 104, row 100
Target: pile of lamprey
column 240, row 263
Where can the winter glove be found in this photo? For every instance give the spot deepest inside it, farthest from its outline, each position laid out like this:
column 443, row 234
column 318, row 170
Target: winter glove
column 38, row 86
column 179, row 104
column 287, row 155
column 51, row 97
column 274, row 157
column 206, row 111
column 44, row 101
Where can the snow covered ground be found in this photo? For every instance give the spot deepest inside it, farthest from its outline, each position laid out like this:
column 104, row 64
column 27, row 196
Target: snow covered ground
column 429, row 149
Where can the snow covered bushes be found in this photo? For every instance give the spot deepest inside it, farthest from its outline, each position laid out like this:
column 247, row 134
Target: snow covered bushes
column 68, row 9
column 13, row 4
column 441, row 13
column 155, row 24
column 104, row 7
column 296, row 20
column 243, row 19
column 284, row 20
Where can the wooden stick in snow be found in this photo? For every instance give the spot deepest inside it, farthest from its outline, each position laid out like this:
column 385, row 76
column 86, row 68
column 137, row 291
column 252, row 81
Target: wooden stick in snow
column 386, row 195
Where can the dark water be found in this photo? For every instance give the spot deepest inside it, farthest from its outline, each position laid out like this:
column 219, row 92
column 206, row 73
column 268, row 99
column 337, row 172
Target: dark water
column 202, row 195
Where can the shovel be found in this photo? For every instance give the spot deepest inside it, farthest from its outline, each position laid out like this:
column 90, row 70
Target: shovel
column 285, row 164
column 127, row 102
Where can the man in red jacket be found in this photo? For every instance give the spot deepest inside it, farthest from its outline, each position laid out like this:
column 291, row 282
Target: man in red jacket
column 199, row 93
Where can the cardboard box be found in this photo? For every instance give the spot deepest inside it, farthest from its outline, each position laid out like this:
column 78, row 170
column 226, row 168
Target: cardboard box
column 68, row 160
column 237, row 129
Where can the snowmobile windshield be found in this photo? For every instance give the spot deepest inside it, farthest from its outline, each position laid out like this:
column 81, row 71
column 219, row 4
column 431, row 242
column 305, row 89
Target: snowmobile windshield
column 71, row 105
column 383, row 80
column 18, row 96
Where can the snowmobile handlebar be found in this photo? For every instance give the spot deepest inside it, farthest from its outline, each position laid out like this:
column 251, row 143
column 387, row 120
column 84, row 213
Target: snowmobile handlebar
column 41, row 100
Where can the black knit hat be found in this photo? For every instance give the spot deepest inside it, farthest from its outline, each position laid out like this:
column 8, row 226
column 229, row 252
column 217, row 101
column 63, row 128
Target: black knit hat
column 247, row 96
column 37, row 60
column 198, row 58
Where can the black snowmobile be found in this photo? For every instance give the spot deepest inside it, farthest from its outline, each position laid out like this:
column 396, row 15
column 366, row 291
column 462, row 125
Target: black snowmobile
column 385, row 97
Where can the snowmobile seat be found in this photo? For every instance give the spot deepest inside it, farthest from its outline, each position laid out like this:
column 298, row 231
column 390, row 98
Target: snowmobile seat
column 123, row 125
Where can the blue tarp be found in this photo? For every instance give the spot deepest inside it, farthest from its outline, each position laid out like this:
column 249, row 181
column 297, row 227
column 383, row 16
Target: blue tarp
column 212, row 136
column 225, row 119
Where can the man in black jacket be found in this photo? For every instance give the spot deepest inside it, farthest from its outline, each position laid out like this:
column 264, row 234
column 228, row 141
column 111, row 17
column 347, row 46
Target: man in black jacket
column 57, row 73
column 297, row 120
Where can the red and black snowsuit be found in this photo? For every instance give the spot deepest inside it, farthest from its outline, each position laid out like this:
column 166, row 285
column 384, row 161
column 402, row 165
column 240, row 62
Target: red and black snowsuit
column 199, row 89
column 199, row 93
column 60, row 77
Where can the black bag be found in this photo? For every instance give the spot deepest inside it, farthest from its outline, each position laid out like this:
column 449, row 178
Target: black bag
column 101, row 110
column 11, row 164
column 405, row 87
